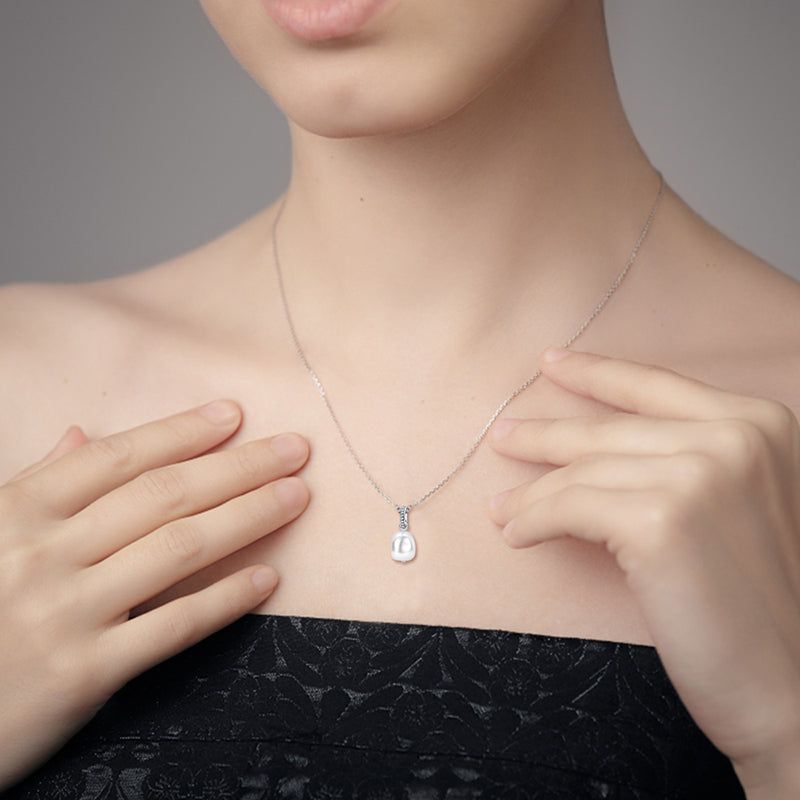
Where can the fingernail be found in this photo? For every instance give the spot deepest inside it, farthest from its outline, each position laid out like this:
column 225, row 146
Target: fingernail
column 288, row 445
column 289, row 490
column 502, row 427
column 220, row 411
column 57, row 446
column 64, row 435
column 555, row 353
column 499, row 499
column 264, row 579
column 508, row 528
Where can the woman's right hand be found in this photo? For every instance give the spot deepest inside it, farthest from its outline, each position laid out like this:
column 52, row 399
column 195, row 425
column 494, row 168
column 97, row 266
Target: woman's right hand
column 94, row 530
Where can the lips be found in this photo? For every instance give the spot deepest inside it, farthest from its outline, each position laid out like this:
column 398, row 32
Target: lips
column 316, row 20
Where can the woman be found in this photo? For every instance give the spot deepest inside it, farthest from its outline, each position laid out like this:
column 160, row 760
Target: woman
column 466, row 190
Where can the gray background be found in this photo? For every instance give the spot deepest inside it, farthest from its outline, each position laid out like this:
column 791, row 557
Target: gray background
column 129, row 134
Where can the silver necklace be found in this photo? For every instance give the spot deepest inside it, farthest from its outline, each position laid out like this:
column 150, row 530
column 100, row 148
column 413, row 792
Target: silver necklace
column 403, row 545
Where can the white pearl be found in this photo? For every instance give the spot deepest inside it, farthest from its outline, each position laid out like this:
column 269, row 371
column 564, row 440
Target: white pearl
column 404, row 548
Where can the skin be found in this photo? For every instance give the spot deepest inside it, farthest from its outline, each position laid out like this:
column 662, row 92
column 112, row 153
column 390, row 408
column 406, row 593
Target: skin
column 693, row 490
column 464, row 302
column 119, row 511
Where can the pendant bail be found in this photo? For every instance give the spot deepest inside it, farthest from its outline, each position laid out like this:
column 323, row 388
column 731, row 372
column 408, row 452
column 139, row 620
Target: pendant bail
column 404, row 547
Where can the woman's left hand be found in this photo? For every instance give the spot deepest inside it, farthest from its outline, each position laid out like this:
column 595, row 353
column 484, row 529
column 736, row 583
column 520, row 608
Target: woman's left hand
column 696, row 492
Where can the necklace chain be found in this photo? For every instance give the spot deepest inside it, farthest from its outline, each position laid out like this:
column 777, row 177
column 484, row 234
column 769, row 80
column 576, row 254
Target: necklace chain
column 318, row 383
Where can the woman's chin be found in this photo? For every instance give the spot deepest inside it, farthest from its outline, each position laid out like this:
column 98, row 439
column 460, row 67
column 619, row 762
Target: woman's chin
column 339, row 121
column 340, row 110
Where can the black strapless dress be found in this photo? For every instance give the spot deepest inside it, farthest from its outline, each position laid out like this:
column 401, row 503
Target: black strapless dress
column 276, row 706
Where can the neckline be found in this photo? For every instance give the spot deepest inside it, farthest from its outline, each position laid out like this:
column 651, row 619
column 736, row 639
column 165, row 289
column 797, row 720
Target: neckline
column 433, row 627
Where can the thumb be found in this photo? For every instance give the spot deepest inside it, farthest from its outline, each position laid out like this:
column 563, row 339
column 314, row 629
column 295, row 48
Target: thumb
column 71, row 438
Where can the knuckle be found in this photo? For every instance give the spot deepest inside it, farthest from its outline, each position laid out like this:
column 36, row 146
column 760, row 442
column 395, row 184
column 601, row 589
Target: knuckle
column 530, row 493
column 164, row 486
column 664, row 515
column 117, row 451
column 741, row 442
column 568, row 496
column 778, row 419
column 659, row 539
column 181, row 540
column 180, row 429
column 560, row 498
column 248, row 464
column 582, row 468
column 696, row 471
column 181, row 628
column 14, row 497
column 603, row 425
column 254, row 513
column 26, row 562
column 23, row 502
column 541, row 432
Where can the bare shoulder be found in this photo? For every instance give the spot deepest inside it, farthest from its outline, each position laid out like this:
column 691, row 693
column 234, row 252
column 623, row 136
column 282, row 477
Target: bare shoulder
column 737, row 313
column 763, row 319
column 765, row 326
column 60, row 344
column 94, row 353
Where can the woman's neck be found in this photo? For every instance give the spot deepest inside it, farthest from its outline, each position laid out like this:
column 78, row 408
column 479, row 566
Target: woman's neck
column 512, row 215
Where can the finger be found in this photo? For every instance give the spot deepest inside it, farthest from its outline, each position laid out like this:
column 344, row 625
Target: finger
column 133, row 646
column 679, row 471
column 641, row 388
column 562, row 440
column 71, row 482
column 589, row 513
column 178, row 490
column 180, row 548
column 71, row 438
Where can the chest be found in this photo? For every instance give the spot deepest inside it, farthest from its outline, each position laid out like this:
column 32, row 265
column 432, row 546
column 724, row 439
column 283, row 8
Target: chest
column 334, row 559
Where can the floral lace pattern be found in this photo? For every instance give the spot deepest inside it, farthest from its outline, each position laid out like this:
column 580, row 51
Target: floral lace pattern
column 281, row 707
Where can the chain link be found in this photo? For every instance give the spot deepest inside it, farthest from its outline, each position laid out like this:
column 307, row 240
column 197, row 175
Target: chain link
column 318, row 383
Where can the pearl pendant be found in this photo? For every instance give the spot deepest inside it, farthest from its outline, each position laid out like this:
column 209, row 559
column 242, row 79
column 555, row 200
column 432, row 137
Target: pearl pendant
column 404, row 547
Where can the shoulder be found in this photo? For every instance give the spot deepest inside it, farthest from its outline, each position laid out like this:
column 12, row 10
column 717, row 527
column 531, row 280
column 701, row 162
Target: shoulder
column 761, row 317
column 74, row 353
column 734, row 317
column 90, row 352
column 69, row 352
column 57, row 341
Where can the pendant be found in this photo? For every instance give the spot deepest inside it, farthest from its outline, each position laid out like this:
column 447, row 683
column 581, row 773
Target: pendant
column 404, row 548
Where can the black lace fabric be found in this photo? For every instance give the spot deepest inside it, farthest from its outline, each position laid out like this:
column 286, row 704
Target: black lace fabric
column 276, row 706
